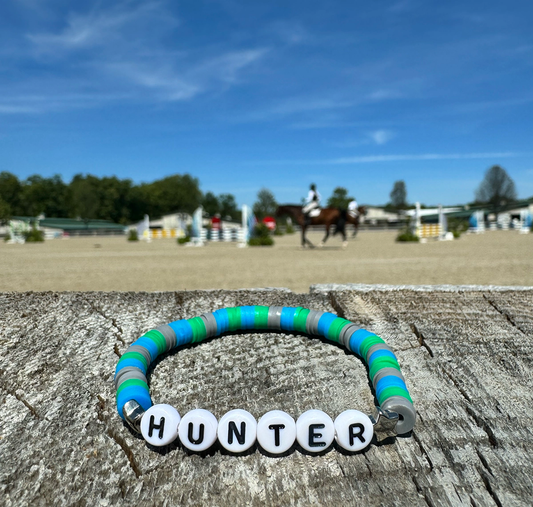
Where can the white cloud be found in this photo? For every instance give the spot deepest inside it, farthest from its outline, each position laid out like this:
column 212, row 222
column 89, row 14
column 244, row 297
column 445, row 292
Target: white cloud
column 381, row 136
column 425, row 156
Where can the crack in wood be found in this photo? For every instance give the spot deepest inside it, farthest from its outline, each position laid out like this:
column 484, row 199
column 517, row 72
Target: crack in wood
column 504, row 313
column 481, row 423
column 112, row 319
column 100, row 407
column 20, row 398
column 421, row 339
column 484, row 462
column 421, row 491
column 424, row 452
column 336, row 305
column 457, row 385
column 488, row 487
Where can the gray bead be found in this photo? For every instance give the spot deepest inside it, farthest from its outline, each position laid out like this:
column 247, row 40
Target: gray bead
column 141, row 350
column 137, row 374
column 311, row 323
column 210, row 324
column 405, row 409
column 377, row 346
column 346, row 334
column 386, row 372
column 125, row 371
column 274, row 317
column 169, row 334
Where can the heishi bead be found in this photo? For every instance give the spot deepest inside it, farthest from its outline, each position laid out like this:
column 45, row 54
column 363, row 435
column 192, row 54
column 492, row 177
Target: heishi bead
column 198, row 430
column 276, row 432
column 237, row 430
column 159, row 425
column 315, row 430
column 353, row 430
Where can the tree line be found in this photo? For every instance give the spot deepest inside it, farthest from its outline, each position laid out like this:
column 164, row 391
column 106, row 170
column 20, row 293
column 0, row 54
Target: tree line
column 107, row 198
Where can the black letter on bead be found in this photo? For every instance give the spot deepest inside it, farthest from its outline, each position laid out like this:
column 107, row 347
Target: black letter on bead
column 276, row 428
column 232, row 428
column 153, row 426
column 200, row 438
column 359, row 435
column 313, row 435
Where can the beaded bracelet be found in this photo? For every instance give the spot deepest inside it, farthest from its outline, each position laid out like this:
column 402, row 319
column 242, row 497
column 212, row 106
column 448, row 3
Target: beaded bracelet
column 276, row 430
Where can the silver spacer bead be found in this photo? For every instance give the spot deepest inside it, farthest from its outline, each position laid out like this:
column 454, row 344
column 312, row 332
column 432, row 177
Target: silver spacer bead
column 384, row 421
column 133, row 413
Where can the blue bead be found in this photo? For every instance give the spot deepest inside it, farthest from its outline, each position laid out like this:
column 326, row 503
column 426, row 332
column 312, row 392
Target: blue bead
column 287, row 318
column 130, row 362
column 247, row 317
column 380, row 353
column 183, row 331
column 389, row 381
column 149, row 345
column 221, row 316
column 357, row 338
column 324, row 323
column 137, row 393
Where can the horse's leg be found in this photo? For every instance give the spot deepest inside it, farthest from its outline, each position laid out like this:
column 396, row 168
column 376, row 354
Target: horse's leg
column 344, row 240
column 325, row 238
column 305, row 241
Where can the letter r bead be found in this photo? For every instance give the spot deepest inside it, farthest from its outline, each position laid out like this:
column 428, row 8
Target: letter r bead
column 354, row 430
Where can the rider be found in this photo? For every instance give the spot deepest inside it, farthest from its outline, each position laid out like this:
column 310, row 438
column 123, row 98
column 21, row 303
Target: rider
column 352, row 208
column 312, row 201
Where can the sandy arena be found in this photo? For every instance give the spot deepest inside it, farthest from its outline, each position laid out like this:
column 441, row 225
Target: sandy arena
column 113, row 264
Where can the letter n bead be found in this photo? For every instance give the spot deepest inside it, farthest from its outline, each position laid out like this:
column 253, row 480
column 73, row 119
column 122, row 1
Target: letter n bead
column 237, row 430
column 159, row 425
column 354, row 430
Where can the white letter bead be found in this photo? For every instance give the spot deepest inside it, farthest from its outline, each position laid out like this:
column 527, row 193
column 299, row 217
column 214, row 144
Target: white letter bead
column 276, row 432
column 315, row 430
column 159, row 424
column 354, row 430
column 237, row 430
column 198, row 429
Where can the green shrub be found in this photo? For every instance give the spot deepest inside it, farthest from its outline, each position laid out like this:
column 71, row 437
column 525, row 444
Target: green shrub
column 132, row 235
column 264, row 241
column 261, row 236
column 407, row 235
column 34, row 235
column 289, row 229
column 457, row 226
column 278, row 232
column 7, row 237
column 185, row 239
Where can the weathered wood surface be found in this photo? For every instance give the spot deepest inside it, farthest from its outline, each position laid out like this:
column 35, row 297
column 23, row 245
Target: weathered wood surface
column 465, row 352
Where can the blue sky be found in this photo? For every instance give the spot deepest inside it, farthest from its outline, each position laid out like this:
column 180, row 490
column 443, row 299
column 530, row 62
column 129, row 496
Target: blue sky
column 248, row 94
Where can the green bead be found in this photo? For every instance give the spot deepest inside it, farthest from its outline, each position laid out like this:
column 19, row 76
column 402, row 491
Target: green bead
column 134, row 355
column 158, row 339
column 132, row 382
column 300, row 319
column 261, row 317
column 336, row 327
column 367, row 343
column 234, row 318
column 199, row 332
column 389, row 392
column 382, row 362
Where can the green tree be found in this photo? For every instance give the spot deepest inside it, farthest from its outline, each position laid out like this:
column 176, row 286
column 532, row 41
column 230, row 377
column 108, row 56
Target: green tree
column 497, row 188
column 265, row 205
column 45, row 195
column 398, row 195
column 211, row 204
column 5, row 211
column 85, row 191
column 228, row 206
column 11, row 192
column 339, row 199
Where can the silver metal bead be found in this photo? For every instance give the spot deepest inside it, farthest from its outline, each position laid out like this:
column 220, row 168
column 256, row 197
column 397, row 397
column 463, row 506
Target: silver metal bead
column 133, row 413
column 384, row 421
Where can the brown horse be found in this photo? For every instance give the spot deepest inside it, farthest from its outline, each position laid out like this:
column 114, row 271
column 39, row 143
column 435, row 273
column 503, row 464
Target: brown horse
column 361, row 211
column 327, row 217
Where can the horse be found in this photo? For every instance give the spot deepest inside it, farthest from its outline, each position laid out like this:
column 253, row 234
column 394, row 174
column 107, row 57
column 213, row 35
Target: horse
column 327, row 217
column 354, row 220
